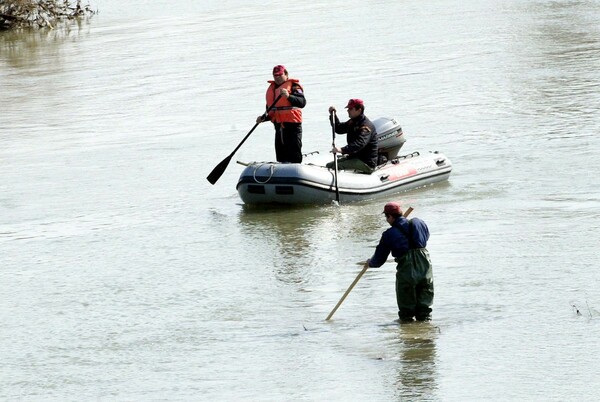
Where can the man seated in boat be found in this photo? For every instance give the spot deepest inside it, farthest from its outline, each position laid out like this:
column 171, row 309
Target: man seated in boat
column 361, row 152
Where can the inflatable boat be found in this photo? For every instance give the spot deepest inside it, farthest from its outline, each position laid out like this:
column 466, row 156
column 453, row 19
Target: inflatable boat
column 310, row 182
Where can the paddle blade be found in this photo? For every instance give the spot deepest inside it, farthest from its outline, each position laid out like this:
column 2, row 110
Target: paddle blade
column 218, row 171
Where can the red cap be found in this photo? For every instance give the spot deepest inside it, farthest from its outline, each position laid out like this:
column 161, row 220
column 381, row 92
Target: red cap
column 354, row 103
column 278, row 70
column 392, row 208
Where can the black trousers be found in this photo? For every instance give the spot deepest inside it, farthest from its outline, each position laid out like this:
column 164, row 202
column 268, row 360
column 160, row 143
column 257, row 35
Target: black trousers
column 288, row 142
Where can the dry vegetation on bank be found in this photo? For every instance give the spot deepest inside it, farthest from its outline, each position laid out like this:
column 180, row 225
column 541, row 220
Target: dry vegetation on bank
column 40, row 13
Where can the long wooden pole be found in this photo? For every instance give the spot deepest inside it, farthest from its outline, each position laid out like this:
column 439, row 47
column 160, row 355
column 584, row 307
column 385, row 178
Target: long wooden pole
column 360, row 274
column 347, row 292
column 335, row 159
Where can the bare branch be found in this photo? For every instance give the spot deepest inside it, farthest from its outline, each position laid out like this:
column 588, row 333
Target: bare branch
column 41, row 13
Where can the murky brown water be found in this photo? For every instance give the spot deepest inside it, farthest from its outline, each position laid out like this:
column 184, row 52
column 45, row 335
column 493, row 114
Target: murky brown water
column 126, row 276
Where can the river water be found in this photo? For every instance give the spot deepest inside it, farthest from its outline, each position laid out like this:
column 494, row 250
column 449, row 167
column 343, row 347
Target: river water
column 126, row 276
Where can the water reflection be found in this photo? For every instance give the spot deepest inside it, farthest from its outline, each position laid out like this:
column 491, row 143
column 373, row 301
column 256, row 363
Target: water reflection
column 25, row 47
column 305, row 242
column 416, row 377
column 286, row 235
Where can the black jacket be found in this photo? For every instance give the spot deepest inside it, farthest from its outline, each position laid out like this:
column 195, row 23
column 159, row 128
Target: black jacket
column 362, row 139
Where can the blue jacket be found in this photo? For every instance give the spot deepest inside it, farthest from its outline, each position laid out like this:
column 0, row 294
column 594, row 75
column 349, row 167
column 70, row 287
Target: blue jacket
column 396, row 240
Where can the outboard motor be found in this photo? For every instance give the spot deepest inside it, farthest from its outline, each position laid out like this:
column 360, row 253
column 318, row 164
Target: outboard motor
column 390, row 138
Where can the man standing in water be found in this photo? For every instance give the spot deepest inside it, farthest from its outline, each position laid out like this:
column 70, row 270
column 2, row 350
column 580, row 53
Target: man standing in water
column 406, row 240
column 361, row 152
column 286, row 115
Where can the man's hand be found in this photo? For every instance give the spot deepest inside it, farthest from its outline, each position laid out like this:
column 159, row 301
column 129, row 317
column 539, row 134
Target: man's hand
column 284, row 92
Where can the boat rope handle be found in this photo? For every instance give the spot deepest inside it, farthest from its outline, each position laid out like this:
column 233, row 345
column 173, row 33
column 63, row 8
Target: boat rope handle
column 271, row 169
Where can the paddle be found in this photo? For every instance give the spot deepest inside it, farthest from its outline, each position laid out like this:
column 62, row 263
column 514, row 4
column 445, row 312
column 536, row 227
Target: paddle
column 361, row 273
column 335, row 161
column 218, row 171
